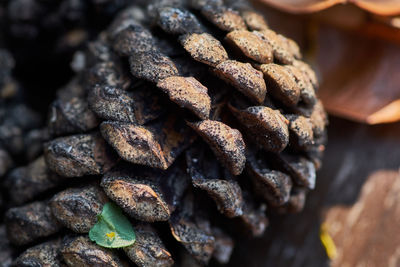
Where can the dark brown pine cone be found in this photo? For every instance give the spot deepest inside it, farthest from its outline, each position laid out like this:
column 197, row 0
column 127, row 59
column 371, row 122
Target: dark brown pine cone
column 34, row 19
column 43, row 36
column 195, row 118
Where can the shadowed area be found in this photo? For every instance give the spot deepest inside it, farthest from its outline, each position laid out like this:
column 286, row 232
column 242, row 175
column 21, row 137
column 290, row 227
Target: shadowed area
column 355, row 153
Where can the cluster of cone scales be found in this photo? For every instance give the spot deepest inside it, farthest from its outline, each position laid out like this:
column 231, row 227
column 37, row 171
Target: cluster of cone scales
column 194, row 117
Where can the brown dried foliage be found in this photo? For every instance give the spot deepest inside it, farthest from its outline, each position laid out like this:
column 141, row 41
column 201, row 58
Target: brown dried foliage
column 386, row 7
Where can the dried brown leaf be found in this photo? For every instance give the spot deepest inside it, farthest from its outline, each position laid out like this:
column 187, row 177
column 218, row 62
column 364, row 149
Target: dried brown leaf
column 386, row 7
column 363, row 88
column 373, row 220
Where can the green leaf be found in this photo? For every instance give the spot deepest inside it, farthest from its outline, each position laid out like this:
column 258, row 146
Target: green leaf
column 113, row 229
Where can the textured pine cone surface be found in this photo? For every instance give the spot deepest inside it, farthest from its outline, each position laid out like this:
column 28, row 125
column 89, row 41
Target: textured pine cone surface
column 194, row 117
column 43, row 35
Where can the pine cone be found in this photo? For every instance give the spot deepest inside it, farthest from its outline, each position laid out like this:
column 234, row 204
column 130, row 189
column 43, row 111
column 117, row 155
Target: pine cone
column 30, row 19
column 43, row 36
column 196, row 117
column 21, row 141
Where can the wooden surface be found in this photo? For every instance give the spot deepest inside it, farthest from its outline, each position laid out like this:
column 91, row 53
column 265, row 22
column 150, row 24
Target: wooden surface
column 357, row 196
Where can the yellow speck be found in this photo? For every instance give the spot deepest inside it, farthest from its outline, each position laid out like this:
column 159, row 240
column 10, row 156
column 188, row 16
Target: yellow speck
column 327, row 242
column 110, row 235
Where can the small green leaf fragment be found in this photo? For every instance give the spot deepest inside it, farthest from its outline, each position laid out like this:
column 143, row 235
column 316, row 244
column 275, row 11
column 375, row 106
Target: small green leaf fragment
column 113, row 229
